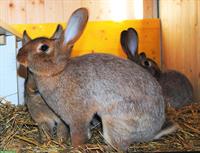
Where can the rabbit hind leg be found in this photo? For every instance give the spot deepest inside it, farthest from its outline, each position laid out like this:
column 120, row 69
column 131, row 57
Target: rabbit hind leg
column 44, row 132
column 115, row 133
column 62, row 132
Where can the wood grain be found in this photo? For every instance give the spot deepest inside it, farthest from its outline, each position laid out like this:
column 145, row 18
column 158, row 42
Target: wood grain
column 51, row 11
column 180, row 38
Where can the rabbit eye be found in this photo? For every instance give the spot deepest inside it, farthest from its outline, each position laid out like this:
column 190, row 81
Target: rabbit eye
column 146, row 63
column 44, row 48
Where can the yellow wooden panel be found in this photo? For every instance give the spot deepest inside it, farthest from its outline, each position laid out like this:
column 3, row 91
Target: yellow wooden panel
column 104, row 36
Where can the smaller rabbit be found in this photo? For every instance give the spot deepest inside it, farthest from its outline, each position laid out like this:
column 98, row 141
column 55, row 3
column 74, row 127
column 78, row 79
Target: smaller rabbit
column 47, row 121
column 177, row 89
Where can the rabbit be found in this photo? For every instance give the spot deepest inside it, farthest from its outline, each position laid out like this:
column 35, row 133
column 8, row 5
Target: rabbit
column 47, row 121
column 125, row 96
column 176, row 88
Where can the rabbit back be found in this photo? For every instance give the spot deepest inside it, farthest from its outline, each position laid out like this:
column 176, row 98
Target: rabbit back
column 94, row 75
column 112, row 87
column 177, row 89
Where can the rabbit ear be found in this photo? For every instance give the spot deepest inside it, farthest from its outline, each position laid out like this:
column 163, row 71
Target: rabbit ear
column 75, row 26
column 123, row 37
column 132, row 42
column 25, row 38
column 58, row 33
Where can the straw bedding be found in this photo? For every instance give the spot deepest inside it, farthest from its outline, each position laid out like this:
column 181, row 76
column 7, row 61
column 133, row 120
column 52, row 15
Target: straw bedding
column 19, row 132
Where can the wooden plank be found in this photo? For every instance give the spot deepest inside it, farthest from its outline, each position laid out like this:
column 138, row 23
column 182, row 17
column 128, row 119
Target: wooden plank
column 102, row 12
column 47, row 11
column 148, row 8
column 13, row 11
column 188, row 12
column 35, row 11
column 180, row 40
column 4, row 10
column 8, row 29
column 16, row 11
column 2, row 39
column 69, row 6
column 110, row 9
column 197, row 93
column 53, row 11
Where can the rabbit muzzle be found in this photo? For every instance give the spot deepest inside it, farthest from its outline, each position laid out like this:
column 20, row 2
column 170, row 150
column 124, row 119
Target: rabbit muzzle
column 22, row 57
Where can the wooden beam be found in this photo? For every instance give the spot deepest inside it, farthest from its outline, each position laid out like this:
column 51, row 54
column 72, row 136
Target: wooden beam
column 150, row 9
column 6, row 29
column 2, row 40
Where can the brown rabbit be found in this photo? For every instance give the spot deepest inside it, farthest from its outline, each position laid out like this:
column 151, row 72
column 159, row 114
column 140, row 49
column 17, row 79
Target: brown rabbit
column 46, row 119
column 126, row 97
column 177, row 89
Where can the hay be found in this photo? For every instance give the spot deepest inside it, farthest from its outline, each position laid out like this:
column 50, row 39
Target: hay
column 19, row 132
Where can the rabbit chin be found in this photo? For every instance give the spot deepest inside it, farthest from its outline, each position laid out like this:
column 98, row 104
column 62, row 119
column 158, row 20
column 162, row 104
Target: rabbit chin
column 46, row 72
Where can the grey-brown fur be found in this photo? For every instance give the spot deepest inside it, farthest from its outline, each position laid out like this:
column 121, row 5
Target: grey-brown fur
column 177, row 89
column 106, row 85
column 126, row 97
column 48, row 122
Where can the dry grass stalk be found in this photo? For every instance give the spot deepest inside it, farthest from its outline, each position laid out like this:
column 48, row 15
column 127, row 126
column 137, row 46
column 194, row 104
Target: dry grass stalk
column 19, row 132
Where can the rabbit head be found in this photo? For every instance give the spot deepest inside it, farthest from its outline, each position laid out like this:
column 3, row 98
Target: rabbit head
column 129, row 42
column 149, row 65
column 52, row 53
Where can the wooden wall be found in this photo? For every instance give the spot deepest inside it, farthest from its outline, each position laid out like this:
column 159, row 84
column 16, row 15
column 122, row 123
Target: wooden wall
column 47, row 11
column 180, row 21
